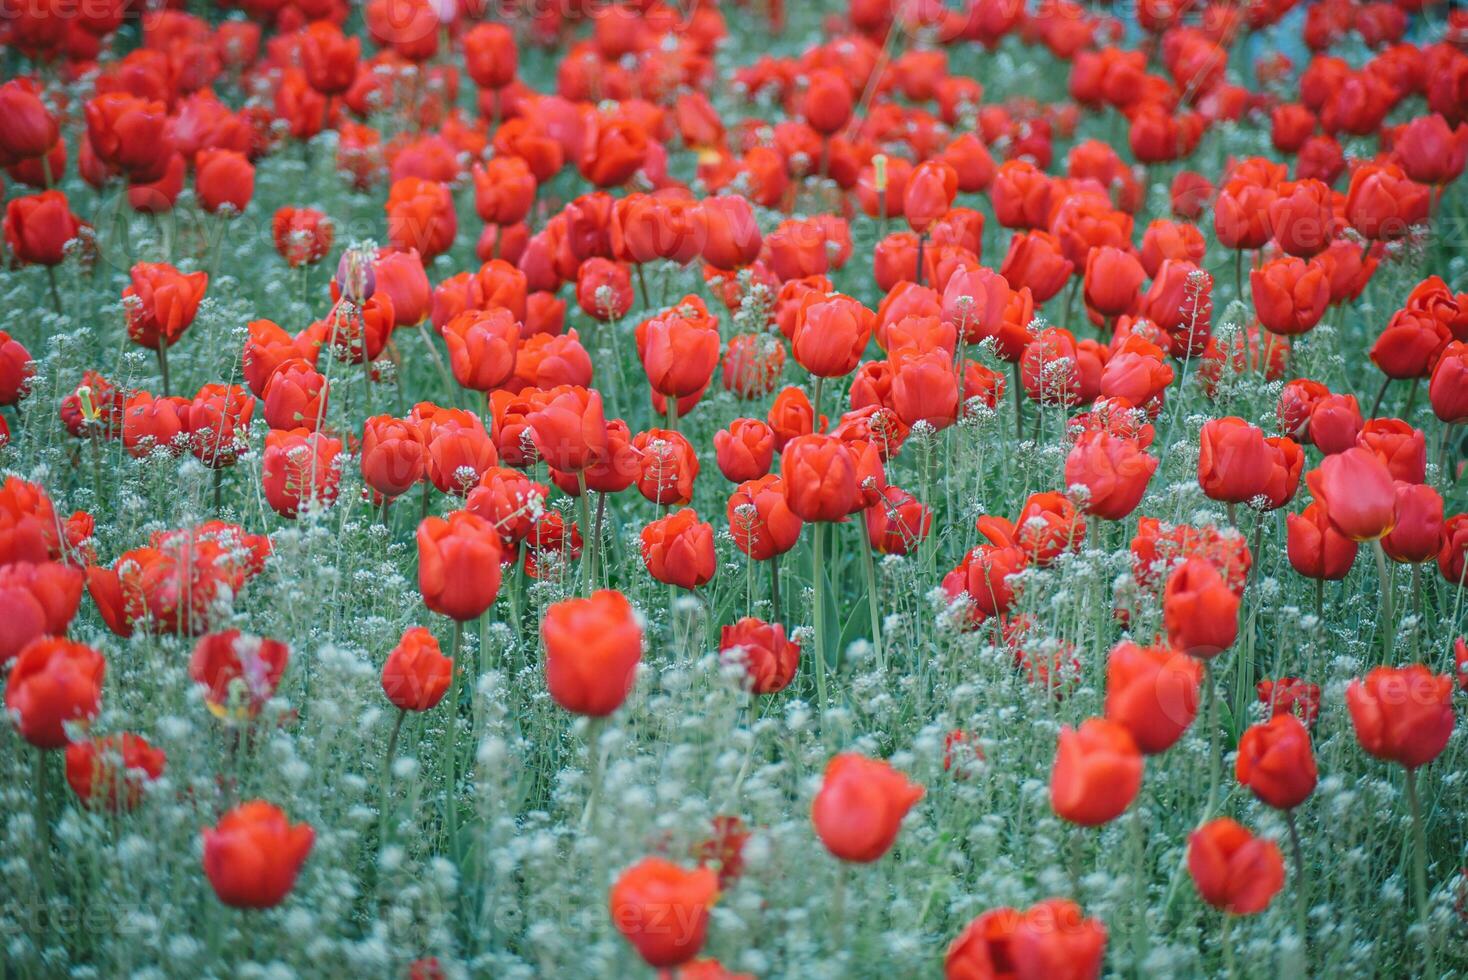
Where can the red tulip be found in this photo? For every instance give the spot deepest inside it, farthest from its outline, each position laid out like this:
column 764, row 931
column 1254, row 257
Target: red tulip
column 1448, row 389
column 744, row 450
column 36, row 600
column 39, row 226
column 1356, row 490
column 1115, row 472
column 1234, row 870
column 827, row 103
column 1096, row 774
column 1335, row 423
column 252, row 856
column 592, row 648
column 898, row 522
column 1234, row 461
column 1200, row 611
column 1402, row 714
column 458, row 565
column 1153, row 693
column 420, row 215
column 859, row 808
column 663, row 910
column 1417, row 531
column 1050, row 941
column 1302, row 217
column 110, row 772
column 300, row 467
column 416, row 675
column 760, row 521
column 820, row 478
column 482, row 347
column 679, row 349
column 1314, row 546
column 161, row 303
column 570, row 429
column 764, row 653
column 1276, row 763
column 393, row 455
column 1290, row 294
column 218, row 424
column 929, row 193
column 831, row 334
column 1383, row 204
column 490, row 55
column 239, row 673
column 1113, row 281
column 51, row 683
column 223, row 177
column 679, row 549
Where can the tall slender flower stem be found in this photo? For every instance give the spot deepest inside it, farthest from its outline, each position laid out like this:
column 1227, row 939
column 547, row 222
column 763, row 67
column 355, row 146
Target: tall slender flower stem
column 874, row 607
column 451, row 740
column 1419, row 874
column 818, row 585
column 1302, row 883
column 1388, row 628
column 588, row 556
column 384, row 806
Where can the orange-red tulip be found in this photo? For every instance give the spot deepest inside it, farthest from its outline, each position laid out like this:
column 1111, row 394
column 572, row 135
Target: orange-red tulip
column 592, row 648
column 859, row 808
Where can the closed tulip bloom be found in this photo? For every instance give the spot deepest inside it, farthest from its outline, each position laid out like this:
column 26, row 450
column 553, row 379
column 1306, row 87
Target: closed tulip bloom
column 791, row 415
column 161, row 302
column 831, row 334
column 760, row 521
column 679, row 549
column 679, row 349
column 1383, row 204
column 1290, row 294
column 1302, row 217
column 1429, row 151
column 592, row 648
column 614, row 151
column 1448, row 389
column 394, row 456
column 223, row 178
column 898, row 522
column 504, row 190
column 1200, row 611
column 458, row 565
column 1233, row 460
column 1357, row 492
column 734, row 238
column 1316, row 549
column 1096, row 773
column 762, row 650
column 663, row 910
column 1276, row 763
column 820, row 479
column 1114, row 470
column 300, row 466
column 1401, row 714
column 130, row 134
column 1233, row 870
column 302, row 236
column 929, row 193
column 744, row 450
column 399, row 278
column 36, row 600
column 239, row 673
column 827, row 102
column 27, row 128
column 416, row 675
column 1113, row 281
column 1416, row 536
column 110, row 772
column 1335, row 423
column 570, row 429
column 218, row 424
column 38, row 226
column 328, row 57
column 1035, row 261
column 295, row 395
column 1401, row 447
column 1410, row 344
column 482, row 346
column 150, row 423
column 420, row 215
column 51, row 683
column 667, row 466
column 1153, row 693
column 859, row 808
column 604, row 289
column 490, row 55
column 252, row 856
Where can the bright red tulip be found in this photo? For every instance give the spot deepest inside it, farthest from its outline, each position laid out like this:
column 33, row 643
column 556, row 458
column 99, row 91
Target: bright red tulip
column 1096, row 774
column 1402, row 714
column 253, row 855
column 762, row 650
column 1232, row 869
column 110, row 772
column 53, row 682
column 663, row 910
column 416, row 675
column 860, row 806
column 1275, row 761
column 1153, row 693
column 592, row 649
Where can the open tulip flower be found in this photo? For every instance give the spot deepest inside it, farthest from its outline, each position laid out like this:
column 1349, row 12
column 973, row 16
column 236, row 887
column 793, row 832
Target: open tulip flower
column 857, row 488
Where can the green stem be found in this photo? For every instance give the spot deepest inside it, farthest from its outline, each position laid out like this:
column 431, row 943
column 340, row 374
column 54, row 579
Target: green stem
column 384, row 808
column 874, row 607
column 588, row 554
column 593, row 751
column 1419, row 873
column 818, row 585
column 451, row 740
column 1388, row 628
column 1302, row 884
